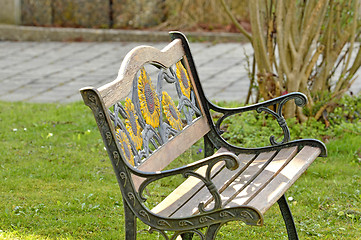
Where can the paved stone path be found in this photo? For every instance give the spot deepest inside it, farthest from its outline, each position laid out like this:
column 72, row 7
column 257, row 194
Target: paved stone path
column 55, row 71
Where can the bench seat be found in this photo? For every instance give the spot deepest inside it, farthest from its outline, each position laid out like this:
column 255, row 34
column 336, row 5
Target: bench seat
column 259, row 181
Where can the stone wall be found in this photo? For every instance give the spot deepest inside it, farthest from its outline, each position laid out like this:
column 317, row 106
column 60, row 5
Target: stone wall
column 138, row 13
column 83, row 13
column 36, row 12
column 10, row 11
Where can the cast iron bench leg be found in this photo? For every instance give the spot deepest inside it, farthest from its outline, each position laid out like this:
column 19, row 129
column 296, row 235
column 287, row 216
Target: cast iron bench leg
column 212, row 231
column 130, row 223
column 187, row 236
column 288, row 218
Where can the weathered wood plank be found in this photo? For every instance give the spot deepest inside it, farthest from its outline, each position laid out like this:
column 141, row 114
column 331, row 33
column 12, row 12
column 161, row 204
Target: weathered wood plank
column 184, row 192
column 247, row 189
column 285, row 179
column 174, row 147
column 224, row 177
column 229, row 183
column 133, row 61
column 235, row 184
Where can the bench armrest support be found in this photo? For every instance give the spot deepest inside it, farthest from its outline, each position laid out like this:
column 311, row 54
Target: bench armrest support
column 276, row 112
column 231, row 162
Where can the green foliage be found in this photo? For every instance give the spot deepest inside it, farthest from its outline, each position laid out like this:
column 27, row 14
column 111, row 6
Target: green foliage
column 252, row 129
column 348, row 110
column 57, row 182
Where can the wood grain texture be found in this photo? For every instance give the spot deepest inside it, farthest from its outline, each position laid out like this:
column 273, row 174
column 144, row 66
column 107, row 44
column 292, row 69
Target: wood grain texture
column 184, row 192
column 173, row 148
column 191, row 205
column 258, row 182
column 133, row 61
column 285, row 179
column 187, row 189
column 248, row 186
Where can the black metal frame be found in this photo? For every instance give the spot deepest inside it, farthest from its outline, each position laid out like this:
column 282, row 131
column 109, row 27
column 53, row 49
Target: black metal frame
column 134, row 200
column 215, row 138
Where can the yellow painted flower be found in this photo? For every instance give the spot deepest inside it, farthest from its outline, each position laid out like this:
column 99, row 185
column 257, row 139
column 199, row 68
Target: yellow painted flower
column 125, row 146
column 171, row 112
column 132, row 124
column 184, row 81
column 149, row 102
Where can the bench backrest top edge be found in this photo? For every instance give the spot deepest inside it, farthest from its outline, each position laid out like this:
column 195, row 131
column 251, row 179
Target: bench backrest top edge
column 133, row 61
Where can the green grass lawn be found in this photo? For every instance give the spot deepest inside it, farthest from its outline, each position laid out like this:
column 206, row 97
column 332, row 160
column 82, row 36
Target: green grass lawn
column 56, row 182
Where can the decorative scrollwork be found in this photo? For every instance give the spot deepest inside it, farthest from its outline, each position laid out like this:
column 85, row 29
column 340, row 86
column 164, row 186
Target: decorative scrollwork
column 211, row 188
column 131, row 197
column 163, row 223
column 108, row 136
column 184, row 223
column 123, row 176
column 282, row 123
column 224, row 214
column 144, row 214
column 92, row 98
column 246, row 215
column 273, row 107
column 300, row 100
column 101, row 119
column 205, row 219
column 149, row 117
column 116, row 157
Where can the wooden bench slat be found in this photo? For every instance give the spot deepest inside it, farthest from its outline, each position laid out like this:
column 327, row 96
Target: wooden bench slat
column 166, row 209
column 284, row 180
column 228, row 182
column 246, row 190
column 184, row 192
column 248, row 174
column 168, row 152
column 223, row 178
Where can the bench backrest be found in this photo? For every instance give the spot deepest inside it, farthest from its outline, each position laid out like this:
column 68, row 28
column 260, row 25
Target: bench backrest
column 154, row 120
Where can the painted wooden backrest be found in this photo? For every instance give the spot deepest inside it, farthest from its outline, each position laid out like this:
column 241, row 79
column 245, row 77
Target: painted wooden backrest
column 153, row 120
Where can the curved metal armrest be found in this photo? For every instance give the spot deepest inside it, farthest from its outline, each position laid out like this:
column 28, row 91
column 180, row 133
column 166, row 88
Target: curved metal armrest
column 300, row 100
column 231, row 162
column 277, row 103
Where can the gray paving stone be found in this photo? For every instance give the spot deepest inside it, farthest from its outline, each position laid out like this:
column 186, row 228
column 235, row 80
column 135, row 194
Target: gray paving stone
column 54, row 71
column 72, row 98
column 12, row 48
column 14, row 97
column 47, row 98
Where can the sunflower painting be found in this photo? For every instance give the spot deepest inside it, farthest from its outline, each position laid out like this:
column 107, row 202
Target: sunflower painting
column 132, row 124
column 171, row 112
column 149, row 102
column 125, row 146
column 184, row 81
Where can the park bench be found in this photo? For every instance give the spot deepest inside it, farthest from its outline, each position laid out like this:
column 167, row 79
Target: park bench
column 147, row 124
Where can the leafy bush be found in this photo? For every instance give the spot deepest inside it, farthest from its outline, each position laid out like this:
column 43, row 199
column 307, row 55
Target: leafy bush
column 250, row 128
column 348, row 110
